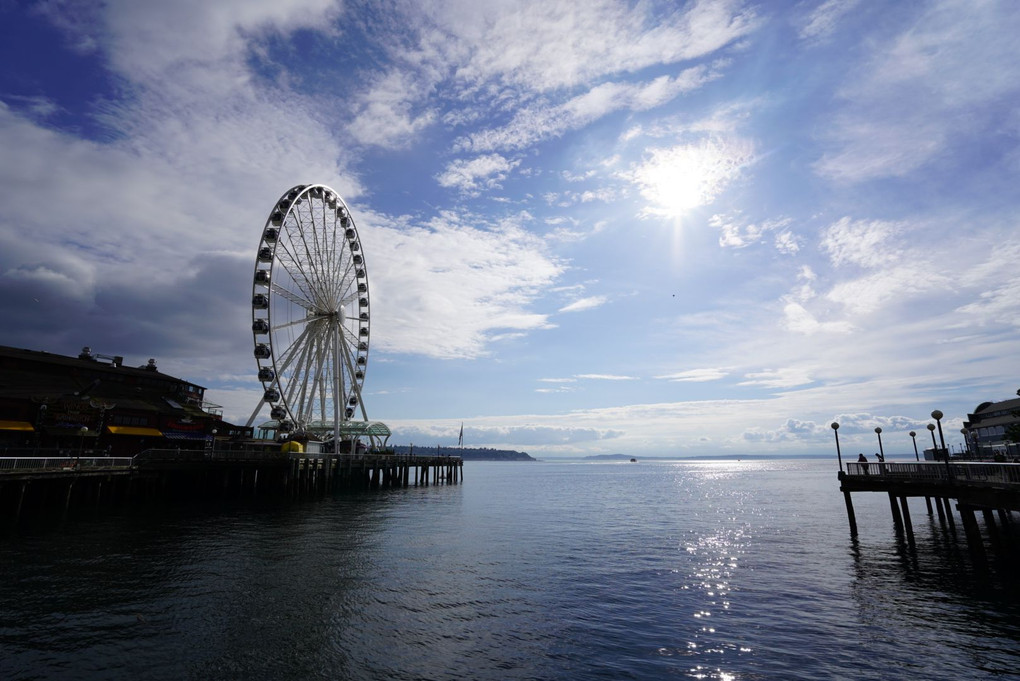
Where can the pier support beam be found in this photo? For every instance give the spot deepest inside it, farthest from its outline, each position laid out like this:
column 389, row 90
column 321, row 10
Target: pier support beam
column 907, row 525
column 949, row 513
column 897, row 518
column 971, row 529
column 850, row 513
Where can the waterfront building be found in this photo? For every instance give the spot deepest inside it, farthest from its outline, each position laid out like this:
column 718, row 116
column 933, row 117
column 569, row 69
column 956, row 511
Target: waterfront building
column 994, row 429
column 95, row 405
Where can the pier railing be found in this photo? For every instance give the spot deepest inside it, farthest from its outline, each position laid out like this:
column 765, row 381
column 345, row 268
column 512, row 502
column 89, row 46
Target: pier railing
column 930, row 471
column 25, row 464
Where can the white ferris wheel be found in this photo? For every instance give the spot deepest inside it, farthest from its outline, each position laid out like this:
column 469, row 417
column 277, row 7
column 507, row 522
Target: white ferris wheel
column 310, row 317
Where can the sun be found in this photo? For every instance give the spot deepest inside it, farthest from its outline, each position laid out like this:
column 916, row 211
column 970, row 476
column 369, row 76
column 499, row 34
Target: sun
column 678, row 179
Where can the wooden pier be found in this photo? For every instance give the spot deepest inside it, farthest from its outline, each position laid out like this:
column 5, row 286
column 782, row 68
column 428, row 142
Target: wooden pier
column 991, row 489
column 61, row 485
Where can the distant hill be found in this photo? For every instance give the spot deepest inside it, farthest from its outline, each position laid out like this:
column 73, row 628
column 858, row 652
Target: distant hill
column 467, row 453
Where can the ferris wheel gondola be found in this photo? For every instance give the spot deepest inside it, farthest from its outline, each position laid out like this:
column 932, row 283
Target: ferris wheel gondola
column 311, row 314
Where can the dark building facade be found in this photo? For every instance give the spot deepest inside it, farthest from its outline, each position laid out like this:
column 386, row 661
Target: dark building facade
column 95, row 405
column 988, row 429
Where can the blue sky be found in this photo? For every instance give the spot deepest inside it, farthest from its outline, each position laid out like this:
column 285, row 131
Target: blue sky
column 653, row 228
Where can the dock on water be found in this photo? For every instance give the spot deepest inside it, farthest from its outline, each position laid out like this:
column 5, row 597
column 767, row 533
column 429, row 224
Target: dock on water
column 47, row 485
column 991, row 489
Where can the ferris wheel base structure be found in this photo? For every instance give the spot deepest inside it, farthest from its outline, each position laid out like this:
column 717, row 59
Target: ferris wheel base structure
column 311, row 321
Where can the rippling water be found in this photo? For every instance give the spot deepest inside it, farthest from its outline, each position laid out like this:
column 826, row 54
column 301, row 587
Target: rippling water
column 653, row 570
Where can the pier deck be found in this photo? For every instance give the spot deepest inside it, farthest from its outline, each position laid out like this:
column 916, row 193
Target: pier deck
column 990, row 488
column 44, row 485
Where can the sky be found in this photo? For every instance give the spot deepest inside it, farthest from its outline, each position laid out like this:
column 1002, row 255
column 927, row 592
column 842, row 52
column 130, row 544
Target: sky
column 650, row 228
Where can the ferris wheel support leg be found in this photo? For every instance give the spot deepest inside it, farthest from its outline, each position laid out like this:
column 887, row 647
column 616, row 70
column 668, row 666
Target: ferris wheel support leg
column 337, row 392
column 251, row 419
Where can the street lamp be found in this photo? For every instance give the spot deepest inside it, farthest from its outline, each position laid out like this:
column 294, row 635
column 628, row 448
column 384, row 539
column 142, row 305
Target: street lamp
column 937, row 415
column 966, row 442
column 81, row 441
column 40, row 418
column 881, row 452
column 913, row 437
column 835, row 431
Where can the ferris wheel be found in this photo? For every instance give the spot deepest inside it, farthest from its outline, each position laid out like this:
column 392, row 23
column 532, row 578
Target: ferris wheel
column 310, row 314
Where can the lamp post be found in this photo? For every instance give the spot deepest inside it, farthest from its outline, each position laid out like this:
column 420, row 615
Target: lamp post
column 39, row 419
column 81, row 444
column 835, row 431
column 913, row 437
column 937, row 415
column 966, row 442
column 881, row 452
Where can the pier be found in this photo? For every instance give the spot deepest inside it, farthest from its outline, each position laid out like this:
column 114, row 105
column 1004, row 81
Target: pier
column 41, row 486
column 991, row 489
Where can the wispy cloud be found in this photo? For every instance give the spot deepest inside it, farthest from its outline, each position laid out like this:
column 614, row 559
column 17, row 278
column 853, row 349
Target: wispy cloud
column 589, row 303
column 696, row 375
column 536, row 123
column 823, row 19
column 931, row 87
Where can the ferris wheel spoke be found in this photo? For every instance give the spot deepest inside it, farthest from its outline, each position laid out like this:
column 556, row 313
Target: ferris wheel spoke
column 293, row 297
column 298, row 380
column 309, row 398
column 308, row 227
column 297, row 322
column 295, row 270
column 292, row 352
column 307, row 373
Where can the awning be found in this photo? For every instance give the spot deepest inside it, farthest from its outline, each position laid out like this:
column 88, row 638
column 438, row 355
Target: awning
column 16, row 425
column 134, row 430
column 183, row 435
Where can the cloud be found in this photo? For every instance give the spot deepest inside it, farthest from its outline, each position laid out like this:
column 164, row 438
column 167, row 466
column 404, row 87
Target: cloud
column 496, row 57
column 696, row 375
column 589, row 303
column 936, row 85
column 822, row 21
column 606, row 377
column 867, row 243
column 786, row 377
column 525, row 435
column 480, row 172
column 389, row 114
column 148, row 42
column 448, row 288
column 524, row 43
column 798, row 319
column 540, row 122
column 737, row 233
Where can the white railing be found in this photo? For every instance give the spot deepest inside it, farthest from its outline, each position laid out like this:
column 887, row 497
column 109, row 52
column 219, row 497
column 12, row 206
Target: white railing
column 25, row 464
column 984, row 473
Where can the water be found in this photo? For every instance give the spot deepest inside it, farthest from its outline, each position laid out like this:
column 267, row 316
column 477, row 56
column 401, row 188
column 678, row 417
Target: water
column 653, row 570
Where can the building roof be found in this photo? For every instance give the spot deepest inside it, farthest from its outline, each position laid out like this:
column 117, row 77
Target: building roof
column 94, row 364
column 42, row 377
